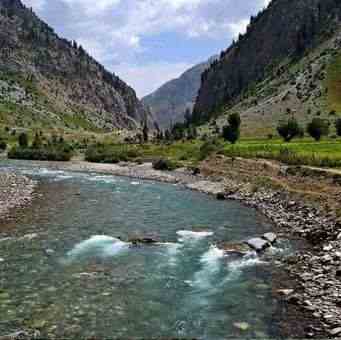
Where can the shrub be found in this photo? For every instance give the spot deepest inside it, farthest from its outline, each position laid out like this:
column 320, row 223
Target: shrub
column 231, row 132
column 3, row 145
column 209, row 147
column 43, row 154
column 317, row 128
column 338, row 127
column 164, row 165
column 289, row 130
column 23, row 140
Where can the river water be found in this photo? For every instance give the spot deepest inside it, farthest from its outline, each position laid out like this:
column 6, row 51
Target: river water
column 68, row 270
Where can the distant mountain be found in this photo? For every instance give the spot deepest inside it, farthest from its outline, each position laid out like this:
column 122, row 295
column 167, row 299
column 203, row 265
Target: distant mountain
column 169, row 103
column 287, row 63
column 48, row 81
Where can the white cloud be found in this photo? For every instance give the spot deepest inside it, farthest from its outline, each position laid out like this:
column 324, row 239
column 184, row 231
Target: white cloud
column 36, row 4
column 118, row 32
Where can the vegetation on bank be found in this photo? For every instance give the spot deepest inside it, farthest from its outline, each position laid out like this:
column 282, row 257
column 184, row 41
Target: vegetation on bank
column 41, row 148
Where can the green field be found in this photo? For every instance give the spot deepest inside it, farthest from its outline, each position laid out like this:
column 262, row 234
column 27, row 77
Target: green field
column 326, row 153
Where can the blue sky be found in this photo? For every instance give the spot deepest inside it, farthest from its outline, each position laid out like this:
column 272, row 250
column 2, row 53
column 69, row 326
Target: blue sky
column 148, row 42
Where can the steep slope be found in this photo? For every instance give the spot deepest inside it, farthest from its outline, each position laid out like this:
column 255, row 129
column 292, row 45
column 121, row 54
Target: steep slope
column 282, row 59
column 48, row 81
column 170, row 102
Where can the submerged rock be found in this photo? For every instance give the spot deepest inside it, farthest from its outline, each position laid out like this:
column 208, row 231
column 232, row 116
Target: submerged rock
column 241, row 249
column 143, row 240
column 243, row 326
column 258, row 244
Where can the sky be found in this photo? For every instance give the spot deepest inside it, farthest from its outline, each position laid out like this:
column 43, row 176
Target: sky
column 148, row 42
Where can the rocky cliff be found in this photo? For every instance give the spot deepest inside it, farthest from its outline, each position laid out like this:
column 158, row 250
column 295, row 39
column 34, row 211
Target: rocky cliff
column 48, row 81
column 281, row 47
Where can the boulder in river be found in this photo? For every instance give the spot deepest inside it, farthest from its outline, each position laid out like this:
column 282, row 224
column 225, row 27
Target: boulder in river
column 258, row 244
column 270, row 237
column 240, row 249
column 143, row 240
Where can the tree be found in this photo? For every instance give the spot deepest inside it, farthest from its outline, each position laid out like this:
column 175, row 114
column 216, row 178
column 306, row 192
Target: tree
column 317, row 128
column 145, row 132
column 3, row 145
column 37, row 141
column 23, row 140
column 188, row 118
column 231, row 132
column 289, row 130
column 338, row 127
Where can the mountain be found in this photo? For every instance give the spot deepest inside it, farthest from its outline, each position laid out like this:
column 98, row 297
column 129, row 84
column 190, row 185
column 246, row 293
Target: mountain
column 286, row 63
column 47, row 81
column 170, row 102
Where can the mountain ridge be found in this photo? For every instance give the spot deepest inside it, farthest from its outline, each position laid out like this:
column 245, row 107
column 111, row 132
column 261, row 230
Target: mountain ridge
column 56, row 81
column 277, row 40
column 171, row 100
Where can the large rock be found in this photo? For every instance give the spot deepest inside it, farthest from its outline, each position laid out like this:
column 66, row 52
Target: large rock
column 270, row 237
column 258, row 244
column 240, row 249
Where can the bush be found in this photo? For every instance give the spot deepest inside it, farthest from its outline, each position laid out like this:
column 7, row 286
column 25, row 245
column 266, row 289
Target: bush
column 23, row 140
column 338, row 127
column 317, row 128
column 231, row 132
column 164, row 165
column 45, row 154
column 110, row 154
column 3, row 145
column 289, row 130
column 209, row 147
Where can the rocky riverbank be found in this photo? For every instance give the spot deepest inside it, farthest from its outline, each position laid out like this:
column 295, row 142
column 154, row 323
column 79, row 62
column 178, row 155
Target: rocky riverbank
column 16, row 192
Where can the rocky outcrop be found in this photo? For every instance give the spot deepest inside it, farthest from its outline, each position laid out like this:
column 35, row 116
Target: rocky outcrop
column 54, row 82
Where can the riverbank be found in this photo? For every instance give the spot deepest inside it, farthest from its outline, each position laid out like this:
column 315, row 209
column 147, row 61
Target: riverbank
column 308, row 283
column 16, row 192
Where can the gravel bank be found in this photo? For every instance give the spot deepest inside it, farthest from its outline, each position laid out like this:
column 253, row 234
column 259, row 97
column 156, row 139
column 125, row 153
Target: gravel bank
column 15, row 192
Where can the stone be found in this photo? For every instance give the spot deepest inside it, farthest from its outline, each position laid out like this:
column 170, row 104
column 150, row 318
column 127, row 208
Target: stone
column 335, row 331
column 243, row 326
column 235, row 248
column 2, row 260
column 271, row 237
column 221, row 196
column 285, row 292
column 258, row 244
column 338, row 273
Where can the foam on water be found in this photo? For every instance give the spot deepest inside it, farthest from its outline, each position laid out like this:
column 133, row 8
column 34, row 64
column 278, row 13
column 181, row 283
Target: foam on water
column 211, row 263
column 98, row 246
column 103, row 179
column 135, row 183
column 188, row 235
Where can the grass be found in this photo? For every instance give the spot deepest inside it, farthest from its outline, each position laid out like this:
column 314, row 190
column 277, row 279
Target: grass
column 333, row 83
column 321, row 154
column 326, row 153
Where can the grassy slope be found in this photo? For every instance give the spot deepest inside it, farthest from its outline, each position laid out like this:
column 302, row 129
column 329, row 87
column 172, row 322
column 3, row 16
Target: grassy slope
column 333, row 84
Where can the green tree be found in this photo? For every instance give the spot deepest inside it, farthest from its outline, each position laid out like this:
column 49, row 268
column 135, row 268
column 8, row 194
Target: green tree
column 145, row 132
column 3, row 145
column 231, row 132
column 317, row 128
column 338, row 127
column 37, row 141
column 289, row 130
column 23, row 140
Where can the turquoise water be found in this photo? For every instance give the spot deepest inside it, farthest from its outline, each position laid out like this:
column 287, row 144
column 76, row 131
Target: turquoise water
column 69, row 271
